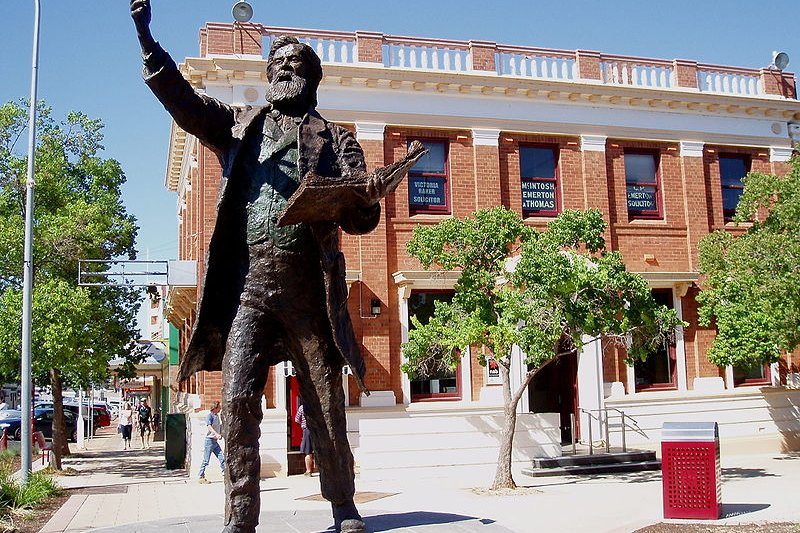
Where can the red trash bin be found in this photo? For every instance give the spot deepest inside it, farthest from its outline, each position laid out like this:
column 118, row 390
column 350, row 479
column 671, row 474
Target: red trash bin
column 690, row 468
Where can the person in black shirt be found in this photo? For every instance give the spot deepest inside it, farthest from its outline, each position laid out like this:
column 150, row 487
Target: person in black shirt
column 145, row 415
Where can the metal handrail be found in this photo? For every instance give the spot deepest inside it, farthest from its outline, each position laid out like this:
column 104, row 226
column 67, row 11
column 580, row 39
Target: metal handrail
column 602, row 418
column 591, row 416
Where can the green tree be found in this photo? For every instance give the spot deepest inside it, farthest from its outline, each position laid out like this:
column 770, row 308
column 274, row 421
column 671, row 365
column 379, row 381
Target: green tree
column 78, row 214
column 543, row 291
column 751, row 284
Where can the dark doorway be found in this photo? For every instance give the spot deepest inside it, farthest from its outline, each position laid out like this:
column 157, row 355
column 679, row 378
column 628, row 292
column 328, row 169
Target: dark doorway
column 555, row 390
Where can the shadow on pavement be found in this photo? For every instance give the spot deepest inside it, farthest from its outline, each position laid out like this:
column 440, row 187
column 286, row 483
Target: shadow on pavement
column 319, row 522
column 621, row 477
column 788, row 456
column 133, row 464
column 745, row 473
column 400, row 521
column 737, row 509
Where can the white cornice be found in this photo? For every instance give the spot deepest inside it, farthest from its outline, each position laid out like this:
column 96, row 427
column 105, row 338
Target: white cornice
column 408, row 280
column 476, row 110
column 485, row 137
column 593, row 143
column 175, row 156
column 780, row 154
column 676, row 99
column 370, row 131
column 691, row 149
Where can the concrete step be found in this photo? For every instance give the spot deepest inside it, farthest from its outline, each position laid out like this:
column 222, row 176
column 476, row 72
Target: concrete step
column 589, row 469
column 595, row 459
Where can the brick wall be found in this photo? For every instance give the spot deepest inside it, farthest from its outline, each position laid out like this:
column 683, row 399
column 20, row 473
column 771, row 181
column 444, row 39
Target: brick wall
column 484, row 176
column 230, row 39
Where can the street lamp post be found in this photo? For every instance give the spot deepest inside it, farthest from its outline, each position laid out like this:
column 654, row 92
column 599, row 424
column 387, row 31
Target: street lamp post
column 27, row 275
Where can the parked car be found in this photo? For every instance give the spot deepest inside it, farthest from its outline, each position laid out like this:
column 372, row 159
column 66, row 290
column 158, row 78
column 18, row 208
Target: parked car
column 102, row 417
column 42, row 421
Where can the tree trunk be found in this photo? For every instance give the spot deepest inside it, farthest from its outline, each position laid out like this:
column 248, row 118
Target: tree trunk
column 503, row 478
column 60, row 445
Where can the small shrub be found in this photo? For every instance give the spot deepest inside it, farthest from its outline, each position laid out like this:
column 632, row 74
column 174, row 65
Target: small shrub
column 15, row 495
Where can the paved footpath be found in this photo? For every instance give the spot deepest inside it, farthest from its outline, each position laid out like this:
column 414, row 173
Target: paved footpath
column 131, row 491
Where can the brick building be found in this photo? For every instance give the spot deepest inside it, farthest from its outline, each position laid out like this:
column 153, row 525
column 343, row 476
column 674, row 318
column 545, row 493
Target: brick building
column 659, row 146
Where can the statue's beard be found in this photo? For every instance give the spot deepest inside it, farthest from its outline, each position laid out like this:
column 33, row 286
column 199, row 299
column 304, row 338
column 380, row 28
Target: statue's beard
column 288, row 92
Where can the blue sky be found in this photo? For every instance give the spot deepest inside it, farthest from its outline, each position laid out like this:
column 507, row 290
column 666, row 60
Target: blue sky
column 89, row 59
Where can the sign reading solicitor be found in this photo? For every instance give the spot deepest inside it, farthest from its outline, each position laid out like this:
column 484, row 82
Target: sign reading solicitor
column 425, row 191
column 642, row 199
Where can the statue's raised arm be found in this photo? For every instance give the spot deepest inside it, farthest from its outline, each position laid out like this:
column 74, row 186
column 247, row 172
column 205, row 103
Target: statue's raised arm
column 206, row 118
column 142, row 14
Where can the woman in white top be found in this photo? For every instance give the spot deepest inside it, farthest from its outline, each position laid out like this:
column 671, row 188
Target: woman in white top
column 125, row 424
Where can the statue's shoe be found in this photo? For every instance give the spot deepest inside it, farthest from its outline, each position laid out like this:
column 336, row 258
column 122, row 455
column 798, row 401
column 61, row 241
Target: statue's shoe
column 346, row 518
column 353, row 526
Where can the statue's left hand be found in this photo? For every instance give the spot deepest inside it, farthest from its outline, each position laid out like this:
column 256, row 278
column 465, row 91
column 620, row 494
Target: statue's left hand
column 375, row 190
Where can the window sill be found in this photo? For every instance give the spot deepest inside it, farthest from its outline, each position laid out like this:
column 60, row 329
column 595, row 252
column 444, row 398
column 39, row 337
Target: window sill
column 657, row 388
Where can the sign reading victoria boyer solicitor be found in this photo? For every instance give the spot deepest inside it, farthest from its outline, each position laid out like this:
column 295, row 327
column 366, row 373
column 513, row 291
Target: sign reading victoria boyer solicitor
column 425, row 191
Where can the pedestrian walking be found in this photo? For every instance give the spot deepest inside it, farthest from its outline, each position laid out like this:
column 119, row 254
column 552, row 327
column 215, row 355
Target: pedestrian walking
column 213, row 436
column 306, row 446
column 125, row 424
column 144, row 419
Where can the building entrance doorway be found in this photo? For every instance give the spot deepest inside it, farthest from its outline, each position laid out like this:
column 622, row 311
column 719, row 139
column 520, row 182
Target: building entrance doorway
column 555, row 390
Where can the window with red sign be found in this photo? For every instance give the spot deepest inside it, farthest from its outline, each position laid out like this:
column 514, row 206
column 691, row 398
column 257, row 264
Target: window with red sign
column 538, row 168
column 428, row 189
column 641, row 185
column 732, row 168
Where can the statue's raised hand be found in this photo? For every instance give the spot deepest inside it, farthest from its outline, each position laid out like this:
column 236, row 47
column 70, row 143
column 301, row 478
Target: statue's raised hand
column 142, row 14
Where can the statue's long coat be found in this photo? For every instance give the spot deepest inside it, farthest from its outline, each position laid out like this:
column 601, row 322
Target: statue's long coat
column 325, row 149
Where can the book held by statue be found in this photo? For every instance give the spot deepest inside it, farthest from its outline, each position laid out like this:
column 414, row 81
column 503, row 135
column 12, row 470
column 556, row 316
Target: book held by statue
column 322, row 198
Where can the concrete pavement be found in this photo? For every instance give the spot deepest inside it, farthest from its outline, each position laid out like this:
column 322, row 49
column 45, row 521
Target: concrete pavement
column 131, row 491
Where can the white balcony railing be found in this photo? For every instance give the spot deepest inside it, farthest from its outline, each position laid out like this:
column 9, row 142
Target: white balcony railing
column 728, row 81
column 426, row 55
column 535, row 64
column 520, row 61
column 629, row 71
column 331, row 47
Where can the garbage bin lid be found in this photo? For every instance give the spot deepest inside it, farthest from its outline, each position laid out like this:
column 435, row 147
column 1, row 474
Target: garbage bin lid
column 689, row 432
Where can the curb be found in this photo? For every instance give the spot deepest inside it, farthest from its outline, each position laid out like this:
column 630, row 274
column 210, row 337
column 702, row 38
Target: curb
column 61, row 519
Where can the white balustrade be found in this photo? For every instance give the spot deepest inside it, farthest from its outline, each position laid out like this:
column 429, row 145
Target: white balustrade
column 329, row 50
column 427, row 57
column 535, row 66
column 342, row 48
column 728, row 83
column 636, row 74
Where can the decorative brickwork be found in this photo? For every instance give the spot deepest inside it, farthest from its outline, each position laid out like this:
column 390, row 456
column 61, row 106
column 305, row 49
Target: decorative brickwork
column 483, row 54
column 685, row 73
column 370, row 47
column 778, row 82
column 588, row 63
